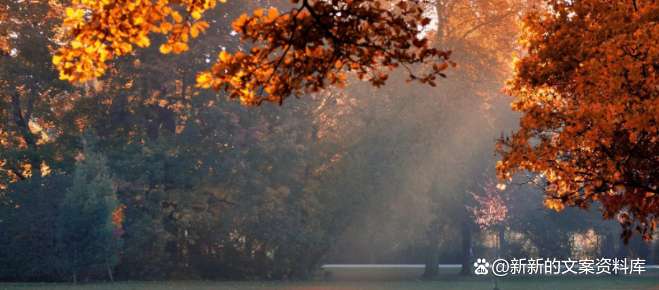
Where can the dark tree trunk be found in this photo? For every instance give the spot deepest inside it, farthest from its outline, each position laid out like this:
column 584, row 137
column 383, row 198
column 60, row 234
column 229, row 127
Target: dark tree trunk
column 22, row 120
column 432, row 258
column 467, row 254
column 109, row 269
column 431, row 270
column 654, row 259
column 75, row 266
column 503, row 247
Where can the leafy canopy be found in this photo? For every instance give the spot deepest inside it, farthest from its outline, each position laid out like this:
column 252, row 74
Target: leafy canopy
column 587, row 89
column 290, row 53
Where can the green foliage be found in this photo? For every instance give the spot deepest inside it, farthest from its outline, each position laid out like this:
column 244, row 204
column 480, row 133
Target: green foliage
column 87, row 238
column 27, row 222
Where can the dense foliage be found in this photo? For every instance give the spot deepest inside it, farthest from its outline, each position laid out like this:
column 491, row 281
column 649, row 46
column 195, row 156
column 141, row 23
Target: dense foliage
column 296, row 52
column 588, row 93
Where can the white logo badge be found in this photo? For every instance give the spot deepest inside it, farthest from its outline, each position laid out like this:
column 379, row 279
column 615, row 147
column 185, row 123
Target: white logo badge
column 481, row 266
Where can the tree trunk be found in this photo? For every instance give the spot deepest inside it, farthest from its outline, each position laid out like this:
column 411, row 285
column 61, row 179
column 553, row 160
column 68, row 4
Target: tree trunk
column 432, row 259
column 432, row 269
column 109, row 269
column 503, row 247
column 655, row 253
column 467, row 254
column 22, row 119
column 75, row 266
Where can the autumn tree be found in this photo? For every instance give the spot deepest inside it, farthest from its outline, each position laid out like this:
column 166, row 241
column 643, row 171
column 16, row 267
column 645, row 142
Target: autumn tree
column 29, row 89
column 587, row 89
column 301, row 50
column 490, row 209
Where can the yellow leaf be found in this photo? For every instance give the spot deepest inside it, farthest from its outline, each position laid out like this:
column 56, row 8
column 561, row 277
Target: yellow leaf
column 202, row 25
column 196, row 14
column 180, row 47
column 194, row 32
column 165, row 27
column 64, row 76
column 69, row 12
column 554, row 204
column 224, row 56
column 204, row 80
column 57, row 59
column 143, row 41
column 177, row 17
column 75, row 44
column 165, row 48
column 125, row 47
column 273, row 13
column 73, row 13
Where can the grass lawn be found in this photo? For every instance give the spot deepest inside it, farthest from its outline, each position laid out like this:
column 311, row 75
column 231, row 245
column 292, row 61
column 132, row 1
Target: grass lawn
column 570, row 283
